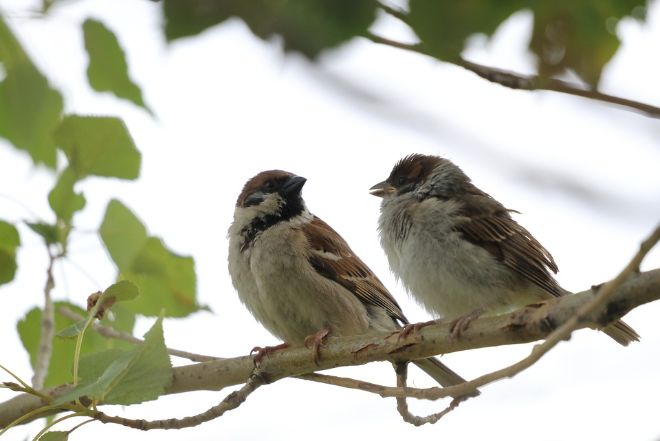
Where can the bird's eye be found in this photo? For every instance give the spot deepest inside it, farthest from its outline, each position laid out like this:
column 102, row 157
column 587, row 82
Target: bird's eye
column 403, row 180
column 268, row 186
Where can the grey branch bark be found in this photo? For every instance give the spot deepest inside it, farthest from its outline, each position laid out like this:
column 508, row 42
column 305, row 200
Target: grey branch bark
column 47, row 328
column 524, row 325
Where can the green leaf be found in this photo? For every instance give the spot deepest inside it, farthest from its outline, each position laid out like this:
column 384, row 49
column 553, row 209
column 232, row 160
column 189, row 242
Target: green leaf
column 29, row 108
column 167, row 281
column 150, row 374
column 121, row 291
column 575, row 35
column 62, row 199
column 99, row 146
column 11, row 52
column 92, row 366
column 107, row 70
column 47, row 231
column 73, row 330
column 9, row 241
column 123, row 234
column 55, row 436
column 443, row 27
column 60, row 369
column 126, row 377
column 101, row 386
column 117, row 292
column 306, row 26
column 164, row 279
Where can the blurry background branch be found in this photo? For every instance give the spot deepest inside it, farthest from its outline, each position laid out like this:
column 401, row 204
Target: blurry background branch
column 516, row 80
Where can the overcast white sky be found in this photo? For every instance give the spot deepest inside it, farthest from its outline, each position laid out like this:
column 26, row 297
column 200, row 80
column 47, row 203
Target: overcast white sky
column 229, row 105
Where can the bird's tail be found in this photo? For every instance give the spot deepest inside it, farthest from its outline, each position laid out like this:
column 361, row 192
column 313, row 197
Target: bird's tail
column 442, row 374
column 621, row 332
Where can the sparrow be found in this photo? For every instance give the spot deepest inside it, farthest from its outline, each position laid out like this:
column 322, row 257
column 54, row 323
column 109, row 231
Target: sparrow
column 457, row 250
column 300, row 279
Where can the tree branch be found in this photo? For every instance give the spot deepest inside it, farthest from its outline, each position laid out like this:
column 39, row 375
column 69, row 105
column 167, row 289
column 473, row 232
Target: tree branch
column 47, row 327
column 231, row 401
column 402, row 403
column 526, row 324
column 516, row 80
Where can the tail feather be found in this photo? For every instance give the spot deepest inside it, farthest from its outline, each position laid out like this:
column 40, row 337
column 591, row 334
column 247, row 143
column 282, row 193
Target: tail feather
column 442, row 374
column 621, row 332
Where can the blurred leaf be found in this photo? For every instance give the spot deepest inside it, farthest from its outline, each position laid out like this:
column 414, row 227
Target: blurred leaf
column 575, row 35
column 306, row 26
column 107, row 70
column 29, row 108
column 167, row 281
column 47, row 231
column 60, row 369
column 566, row 34
column 46, row 5
column 126, row 377
column 62, row 199
column 73, row 330
column 184, row 18
column 11, row 52
column 120, row 318
column 444, row 26
column 9, row 241
column 117, row 292
column 99, row 146
column 122, row 233
column 55, row 436
column 121, row 291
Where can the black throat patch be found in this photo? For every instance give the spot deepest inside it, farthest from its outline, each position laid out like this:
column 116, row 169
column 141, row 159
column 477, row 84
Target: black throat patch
column 291, row 208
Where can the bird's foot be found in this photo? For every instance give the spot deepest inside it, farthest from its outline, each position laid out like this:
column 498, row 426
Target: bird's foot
column 258, row 352
column 411, row 328
column 314, row 342
column 460, row 325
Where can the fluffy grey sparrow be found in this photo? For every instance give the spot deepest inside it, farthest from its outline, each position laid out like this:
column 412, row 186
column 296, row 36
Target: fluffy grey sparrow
column 299, row 278
column 457, row 250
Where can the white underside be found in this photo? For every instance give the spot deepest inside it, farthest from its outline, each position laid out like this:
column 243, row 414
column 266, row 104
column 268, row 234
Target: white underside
column 449, row 276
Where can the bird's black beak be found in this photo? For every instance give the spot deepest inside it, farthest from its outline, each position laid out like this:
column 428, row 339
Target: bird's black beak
column 293, row 186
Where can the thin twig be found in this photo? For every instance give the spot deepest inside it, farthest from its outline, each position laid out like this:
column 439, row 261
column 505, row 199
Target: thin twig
column 109, row 332
column 378, row 389
column 516, row 80
column 401, row 392
column 54, row 422
column 402, row 403
column 348, row 383
column 77, row 426
column 395, row 12
column 231, row 401
column 47, row 327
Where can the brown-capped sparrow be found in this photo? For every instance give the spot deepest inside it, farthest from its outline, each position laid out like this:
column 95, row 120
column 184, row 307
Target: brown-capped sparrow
column 457, row 250
column 299, row 278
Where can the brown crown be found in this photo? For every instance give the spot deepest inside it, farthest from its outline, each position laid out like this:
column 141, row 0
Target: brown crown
column 258, row 181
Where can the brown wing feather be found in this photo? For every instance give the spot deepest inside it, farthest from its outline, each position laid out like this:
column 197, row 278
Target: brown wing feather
column 489, row 225
column 335, row 260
